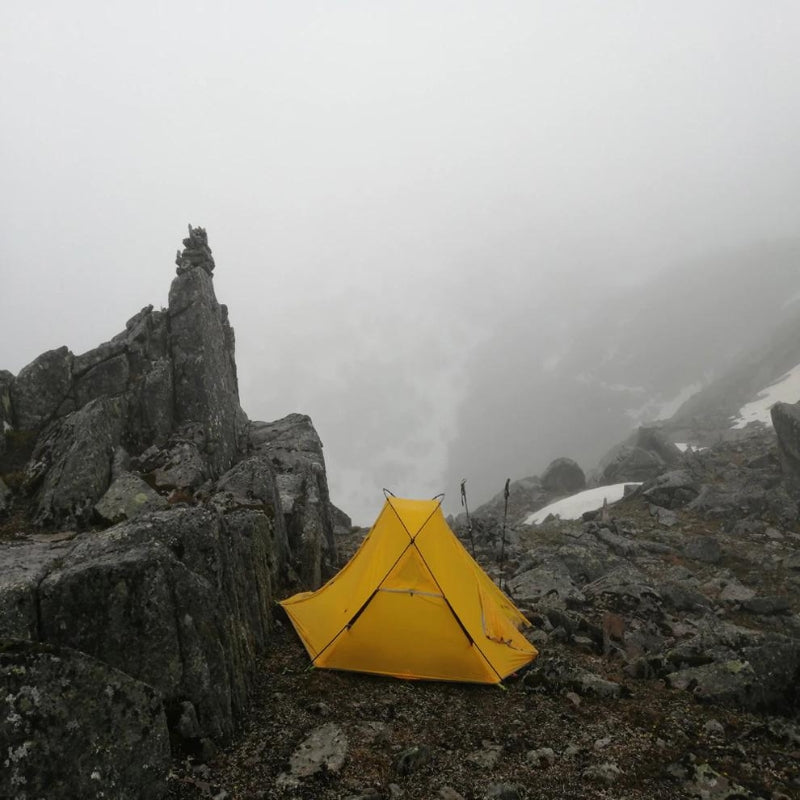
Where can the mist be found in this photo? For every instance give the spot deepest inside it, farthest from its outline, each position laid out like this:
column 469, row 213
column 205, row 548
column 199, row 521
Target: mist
column 576, row 381
column 422, row 214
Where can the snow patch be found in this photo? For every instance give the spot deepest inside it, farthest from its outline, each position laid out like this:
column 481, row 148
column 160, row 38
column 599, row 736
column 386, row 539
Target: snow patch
column 574, row 506
column 786, row 390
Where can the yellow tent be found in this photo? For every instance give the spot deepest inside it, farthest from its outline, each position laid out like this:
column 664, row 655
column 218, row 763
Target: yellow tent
column 414, row 604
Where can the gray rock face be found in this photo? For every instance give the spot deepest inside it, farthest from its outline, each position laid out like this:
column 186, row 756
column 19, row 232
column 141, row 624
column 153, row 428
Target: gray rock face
column 341, row 521
column 786, row 421
column 40, row 388
column 714, row 641
column 252, row 485
column 555, row 675
column 703, row 548
column 626, row 589
column 171, row 374
column 108, row 378
column 74, row 727
column 185, row 605
column 196, row 252
column 643, row 457
column 24, row 567
column 325, row 748
column 672, row 489
column 127, row 497
column 653, row 440
column 767, row 606
column 412, row 759
column 180, row 598
column 178, row 464
column 632, row 464
column 682, row 596
column 563, row 476
column 71, row 465
column 6, row 379
column 550, row 582
column 295, row 451
column 204, row 371
column 5, row 497
column 763, row 679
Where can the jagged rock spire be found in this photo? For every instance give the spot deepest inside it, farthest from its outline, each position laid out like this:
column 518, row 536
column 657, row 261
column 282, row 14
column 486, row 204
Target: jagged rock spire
column 196, row 252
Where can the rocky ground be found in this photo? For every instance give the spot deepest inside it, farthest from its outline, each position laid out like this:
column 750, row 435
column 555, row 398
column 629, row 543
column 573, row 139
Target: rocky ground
column 670, row 653
column 668, row 627
column 384, row 738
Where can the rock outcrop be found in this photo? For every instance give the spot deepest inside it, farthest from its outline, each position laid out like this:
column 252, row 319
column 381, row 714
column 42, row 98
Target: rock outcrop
column 669, row 631
column 169, row 374
column 643, row 457
column 210, row 515
column 113, row 741
column 786, row 421
column 202, row 344
column 691, row 580
column 6, row 379
column 294, row 450
column 180, row 600
column 563, row 476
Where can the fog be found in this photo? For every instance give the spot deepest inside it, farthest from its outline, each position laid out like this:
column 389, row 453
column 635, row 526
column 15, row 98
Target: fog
column 398, row 195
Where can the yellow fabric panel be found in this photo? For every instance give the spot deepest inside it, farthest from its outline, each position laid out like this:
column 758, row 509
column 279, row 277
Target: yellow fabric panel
column 488, row 586
column 496, row 624
column 318, row 616
column 465, row 585
column 405, row 627
column 408, row 636
column 410, row 574
column 413, row 513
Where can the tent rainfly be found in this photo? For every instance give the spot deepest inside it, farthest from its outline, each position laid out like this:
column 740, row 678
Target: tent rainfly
column 412, row 603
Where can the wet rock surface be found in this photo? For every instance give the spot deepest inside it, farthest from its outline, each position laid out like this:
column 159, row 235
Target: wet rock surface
column 563, row 476
column 642, row 457
column 179, row 599
column 148, row 524
column 475, row 739
column 294, row 450
column 114, row 742
column 127, row 497
column 669, row 661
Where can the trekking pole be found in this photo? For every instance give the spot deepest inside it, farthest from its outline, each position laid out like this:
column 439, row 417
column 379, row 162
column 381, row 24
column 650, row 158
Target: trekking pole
column 503, row 535
column 466, row 508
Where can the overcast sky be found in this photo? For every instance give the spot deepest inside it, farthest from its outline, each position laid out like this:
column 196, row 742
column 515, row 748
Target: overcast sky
column 384, row 184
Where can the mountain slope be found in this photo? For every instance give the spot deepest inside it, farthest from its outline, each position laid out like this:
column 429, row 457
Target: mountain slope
column 566, row 381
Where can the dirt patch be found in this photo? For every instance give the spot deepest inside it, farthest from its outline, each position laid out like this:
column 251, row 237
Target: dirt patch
column 655, row 737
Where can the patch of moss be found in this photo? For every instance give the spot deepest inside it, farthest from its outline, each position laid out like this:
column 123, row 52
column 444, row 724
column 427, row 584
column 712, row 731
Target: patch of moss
column 25, row 646
column 14, row 480
column 18, row 449
column 18, row 439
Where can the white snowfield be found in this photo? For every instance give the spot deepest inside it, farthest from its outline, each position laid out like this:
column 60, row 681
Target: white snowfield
column 786, row 389
column 575, row 505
